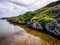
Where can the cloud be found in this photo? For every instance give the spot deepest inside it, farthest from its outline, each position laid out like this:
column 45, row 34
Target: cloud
column 11, row 9
column 16, row 7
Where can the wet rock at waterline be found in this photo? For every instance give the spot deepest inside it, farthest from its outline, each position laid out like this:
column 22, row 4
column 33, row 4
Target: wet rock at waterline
column 57, row 29
column 39, row 26
column 58, row 20
column 16, row 21
column 53, row 27
column 21, row 22
column 35, row 25
column 30, row 22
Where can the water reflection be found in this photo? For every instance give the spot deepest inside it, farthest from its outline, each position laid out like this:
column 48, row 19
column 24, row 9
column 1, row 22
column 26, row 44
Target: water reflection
column 7, row 28
column 19, row 37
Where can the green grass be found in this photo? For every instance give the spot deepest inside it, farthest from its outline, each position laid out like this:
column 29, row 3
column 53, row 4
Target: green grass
column 45, row 12
column 40, row 15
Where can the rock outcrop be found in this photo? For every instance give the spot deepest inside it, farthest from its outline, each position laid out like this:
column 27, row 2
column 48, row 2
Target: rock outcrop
column 35, row 25
column 53, row 27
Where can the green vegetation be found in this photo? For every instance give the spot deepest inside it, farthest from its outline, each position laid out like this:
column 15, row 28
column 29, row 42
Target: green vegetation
column 45, row 20
column 42, row 20
column 42, row 16
column 53, row 11
column 25, row 17
column 47, row 12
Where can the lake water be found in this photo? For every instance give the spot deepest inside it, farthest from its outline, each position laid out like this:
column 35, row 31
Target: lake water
column 18, row 34
column 6, row 28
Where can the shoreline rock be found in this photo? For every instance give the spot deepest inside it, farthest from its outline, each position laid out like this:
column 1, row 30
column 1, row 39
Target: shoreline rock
column 53, row 28
column 38, row 26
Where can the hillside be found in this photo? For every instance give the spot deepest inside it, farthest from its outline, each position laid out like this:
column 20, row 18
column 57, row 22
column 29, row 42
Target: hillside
column 43, row 19
column 52, row 10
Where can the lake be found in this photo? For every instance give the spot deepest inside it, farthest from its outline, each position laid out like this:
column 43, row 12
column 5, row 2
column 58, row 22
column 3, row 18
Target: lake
column 7, row 28
column 14, row 35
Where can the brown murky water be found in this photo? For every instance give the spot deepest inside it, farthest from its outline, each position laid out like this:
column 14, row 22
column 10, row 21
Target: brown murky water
column 14, row 35
column 26, row 35
column 47, row 39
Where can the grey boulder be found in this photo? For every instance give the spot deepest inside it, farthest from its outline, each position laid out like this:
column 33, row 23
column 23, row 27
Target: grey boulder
column 51, row 26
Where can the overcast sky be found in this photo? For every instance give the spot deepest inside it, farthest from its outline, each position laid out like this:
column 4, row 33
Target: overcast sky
column 16, row 7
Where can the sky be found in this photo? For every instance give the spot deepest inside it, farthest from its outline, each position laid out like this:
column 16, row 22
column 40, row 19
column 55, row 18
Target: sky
column 10, row 8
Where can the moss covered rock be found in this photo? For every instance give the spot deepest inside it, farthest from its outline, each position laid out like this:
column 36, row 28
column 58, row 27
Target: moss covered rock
column 43, row 20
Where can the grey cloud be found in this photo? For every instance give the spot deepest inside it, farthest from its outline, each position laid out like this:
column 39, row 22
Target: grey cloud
column 13, row 8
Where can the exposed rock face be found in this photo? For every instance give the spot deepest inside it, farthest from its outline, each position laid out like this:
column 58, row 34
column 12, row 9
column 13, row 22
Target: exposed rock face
column 56, row 11
column 53, row 27
column 58, row 19
column 35, row 25
column 39, row 26
column 30, row 23
column 57, row 29
column 21, row 22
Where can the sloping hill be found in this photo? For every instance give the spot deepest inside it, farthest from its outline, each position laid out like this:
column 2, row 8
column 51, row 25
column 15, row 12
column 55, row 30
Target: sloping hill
column 46, row 18
column 25, row 17
column 51, row 10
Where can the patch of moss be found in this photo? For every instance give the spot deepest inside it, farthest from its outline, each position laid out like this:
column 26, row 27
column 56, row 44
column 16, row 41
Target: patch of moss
column 43, row 21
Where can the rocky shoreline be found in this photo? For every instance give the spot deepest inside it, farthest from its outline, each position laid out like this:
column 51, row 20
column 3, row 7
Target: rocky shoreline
column 52, row 28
